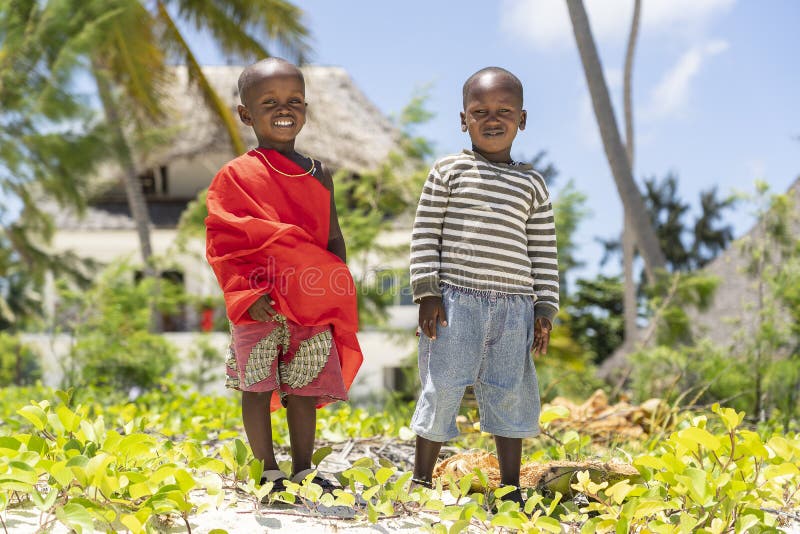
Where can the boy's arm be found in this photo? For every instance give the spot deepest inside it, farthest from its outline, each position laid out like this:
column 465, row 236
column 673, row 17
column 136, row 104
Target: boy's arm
column 426, row 237
column 542, row 251
column 336, row 243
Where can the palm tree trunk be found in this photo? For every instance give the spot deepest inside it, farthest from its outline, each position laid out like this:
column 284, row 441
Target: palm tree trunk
column 646, row 238
column 133, row 187
column 130, row 179
column 628, row 239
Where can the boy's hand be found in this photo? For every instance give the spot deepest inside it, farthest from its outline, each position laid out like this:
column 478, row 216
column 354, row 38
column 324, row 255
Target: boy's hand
column 431, row 311
column 541, row 335
column 262, row 310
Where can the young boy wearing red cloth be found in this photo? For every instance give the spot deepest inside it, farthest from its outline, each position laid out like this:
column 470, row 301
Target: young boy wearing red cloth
column 274, row 243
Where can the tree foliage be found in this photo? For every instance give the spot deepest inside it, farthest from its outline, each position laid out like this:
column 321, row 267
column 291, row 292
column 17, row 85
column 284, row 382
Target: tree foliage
column 687, row 245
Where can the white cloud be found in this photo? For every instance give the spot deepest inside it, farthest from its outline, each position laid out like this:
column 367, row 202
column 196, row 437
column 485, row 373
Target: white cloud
column 545, row 24
column 671, row 94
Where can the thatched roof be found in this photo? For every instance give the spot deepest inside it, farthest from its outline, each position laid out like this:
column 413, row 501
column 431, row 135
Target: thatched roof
column 343, row 129
column 732, row 313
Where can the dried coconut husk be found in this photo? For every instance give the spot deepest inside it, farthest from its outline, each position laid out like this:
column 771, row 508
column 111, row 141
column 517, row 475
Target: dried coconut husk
column 605, row 423
column 544, row 477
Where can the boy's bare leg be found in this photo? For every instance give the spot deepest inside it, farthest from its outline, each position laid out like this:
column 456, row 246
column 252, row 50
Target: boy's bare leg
column 509, row 456
column 425, row 456
column 258, row 426
column 301, row 413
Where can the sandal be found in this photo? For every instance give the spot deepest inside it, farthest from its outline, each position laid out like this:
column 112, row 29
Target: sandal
column 277, row 477
column 512, row 496
column 418, row 482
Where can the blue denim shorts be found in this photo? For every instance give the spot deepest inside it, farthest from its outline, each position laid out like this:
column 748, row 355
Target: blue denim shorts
column 487, row 344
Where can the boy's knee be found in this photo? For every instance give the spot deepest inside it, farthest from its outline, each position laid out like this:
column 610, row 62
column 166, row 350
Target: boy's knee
column 256, row 395
column 300, row 399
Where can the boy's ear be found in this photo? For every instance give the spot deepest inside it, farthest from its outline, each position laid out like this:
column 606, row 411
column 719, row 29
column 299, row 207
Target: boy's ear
column 244, row 115
column 463, row 121
column 523, row 119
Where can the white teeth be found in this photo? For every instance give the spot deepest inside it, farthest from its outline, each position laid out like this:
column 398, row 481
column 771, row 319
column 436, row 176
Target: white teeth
column 283, row 123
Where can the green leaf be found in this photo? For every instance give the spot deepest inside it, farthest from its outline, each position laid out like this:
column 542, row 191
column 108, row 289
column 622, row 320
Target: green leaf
column 132, row 522
column 700, row 436
column 372, row 513
column 383, row 474
column 10, row 444
column 553, row 412
column 619, row 491
column 507, row 520
column 370, row 493
column 364, row 462
column 68, row 418
column 458, row 526
column 782, row 472
column 34, row 414
column 75, row 516
column 499, row 493
column 450, row 513
column 729, row 417
column 465, row 484
column 61, row 473
column 320, row 454
column 552, row 507
column 240, row 453
column 647, row 508
column 185, row 480
column 549, row 524
column 483, row 477
column 139, row 490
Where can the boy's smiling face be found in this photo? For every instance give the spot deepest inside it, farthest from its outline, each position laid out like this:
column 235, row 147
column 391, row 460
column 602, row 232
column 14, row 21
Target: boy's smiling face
column 492, row 115
column 275, row 106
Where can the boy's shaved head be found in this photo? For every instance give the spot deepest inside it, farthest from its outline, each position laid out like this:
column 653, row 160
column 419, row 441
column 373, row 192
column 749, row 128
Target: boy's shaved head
column 272, row 66
column 496, row 72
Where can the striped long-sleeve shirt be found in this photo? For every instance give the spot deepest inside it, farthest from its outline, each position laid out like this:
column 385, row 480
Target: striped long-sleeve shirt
column 485, row 226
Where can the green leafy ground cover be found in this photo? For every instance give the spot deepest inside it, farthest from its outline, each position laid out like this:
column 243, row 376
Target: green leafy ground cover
column 94, row 462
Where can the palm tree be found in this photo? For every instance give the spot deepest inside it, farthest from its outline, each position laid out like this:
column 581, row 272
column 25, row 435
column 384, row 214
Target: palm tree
column 629, row 305
column 48, row 145
column 646, row 238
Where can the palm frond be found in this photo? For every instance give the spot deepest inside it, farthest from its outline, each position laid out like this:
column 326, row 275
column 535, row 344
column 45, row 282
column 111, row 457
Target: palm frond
column 245, row 27
column 198, row 78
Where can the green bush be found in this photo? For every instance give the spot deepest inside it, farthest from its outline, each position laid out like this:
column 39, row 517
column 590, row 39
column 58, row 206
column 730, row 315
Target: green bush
column 113, row 344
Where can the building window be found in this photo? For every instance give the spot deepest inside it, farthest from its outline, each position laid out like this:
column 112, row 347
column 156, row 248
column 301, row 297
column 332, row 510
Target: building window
column 148, row 181
column 155, row 182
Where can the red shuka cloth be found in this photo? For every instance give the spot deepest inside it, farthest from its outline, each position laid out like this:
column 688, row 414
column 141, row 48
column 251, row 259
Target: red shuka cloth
column 268, row 233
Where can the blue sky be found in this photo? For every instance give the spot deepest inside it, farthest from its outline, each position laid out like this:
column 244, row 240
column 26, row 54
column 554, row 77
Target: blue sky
column 715, row 84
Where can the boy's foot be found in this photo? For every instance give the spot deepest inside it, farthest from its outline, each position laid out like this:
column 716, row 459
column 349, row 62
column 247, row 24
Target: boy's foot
column 277, row 477
column 327, row 485
column 514, row 495
column 419, row 483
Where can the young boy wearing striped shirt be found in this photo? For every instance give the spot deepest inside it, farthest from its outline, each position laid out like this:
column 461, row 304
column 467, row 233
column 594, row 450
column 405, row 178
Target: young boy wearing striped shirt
column 484, row 271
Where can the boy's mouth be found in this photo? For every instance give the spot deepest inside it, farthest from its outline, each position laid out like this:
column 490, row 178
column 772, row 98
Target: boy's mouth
column 283, row 123
column 493, row 133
